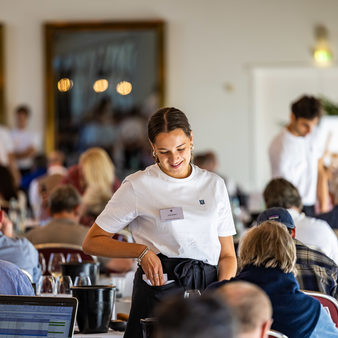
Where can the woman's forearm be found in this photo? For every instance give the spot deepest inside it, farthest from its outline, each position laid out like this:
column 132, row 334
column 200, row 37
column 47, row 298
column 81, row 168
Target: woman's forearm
column 227, row 268
column 227, row 263
column 100, row 243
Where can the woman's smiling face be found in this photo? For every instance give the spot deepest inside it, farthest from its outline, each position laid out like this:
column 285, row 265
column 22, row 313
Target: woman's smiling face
column 173, row 150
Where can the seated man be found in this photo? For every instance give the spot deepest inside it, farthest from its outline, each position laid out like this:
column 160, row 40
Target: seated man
column 251, row 307
column 13, row 281
column 41, row 187
column 64, row 205
column 18, row 251
column 315, row 271
column 315, row 233
column 197, row 317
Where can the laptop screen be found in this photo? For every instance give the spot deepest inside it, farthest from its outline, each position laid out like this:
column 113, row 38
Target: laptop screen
column 37, row 316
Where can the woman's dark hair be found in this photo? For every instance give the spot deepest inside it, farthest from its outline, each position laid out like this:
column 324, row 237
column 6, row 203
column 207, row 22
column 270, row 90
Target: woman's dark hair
column 165, row 120
column 8, row 189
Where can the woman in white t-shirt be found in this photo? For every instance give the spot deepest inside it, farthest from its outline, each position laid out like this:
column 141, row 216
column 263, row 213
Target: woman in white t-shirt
column 179, row 216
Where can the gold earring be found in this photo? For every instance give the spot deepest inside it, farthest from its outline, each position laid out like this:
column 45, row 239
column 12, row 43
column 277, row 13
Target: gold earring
column 155, row 157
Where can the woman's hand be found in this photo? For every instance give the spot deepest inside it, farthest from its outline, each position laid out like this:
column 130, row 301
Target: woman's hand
column 152, row 267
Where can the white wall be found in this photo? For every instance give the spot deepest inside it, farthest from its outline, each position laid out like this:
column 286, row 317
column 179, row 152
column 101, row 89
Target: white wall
column 209, row 44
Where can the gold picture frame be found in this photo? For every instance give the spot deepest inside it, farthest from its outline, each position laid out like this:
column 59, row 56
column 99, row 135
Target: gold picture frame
column 2, row 77
column 51, row 33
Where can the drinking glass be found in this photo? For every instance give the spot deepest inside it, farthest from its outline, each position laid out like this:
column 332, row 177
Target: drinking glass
column 46, row 286
column 192, row 293
column 63, row 286
column 54, row 264
column 42, row 262
column 82, row 280
column 73, row 257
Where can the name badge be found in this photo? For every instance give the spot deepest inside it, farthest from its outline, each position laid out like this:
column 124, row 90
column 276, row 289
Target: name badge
column 171, row 214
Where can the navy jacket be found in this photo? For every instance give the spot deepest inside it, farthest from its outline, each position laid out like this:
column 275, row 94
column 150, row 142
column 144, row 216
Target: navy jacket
column 295, row 314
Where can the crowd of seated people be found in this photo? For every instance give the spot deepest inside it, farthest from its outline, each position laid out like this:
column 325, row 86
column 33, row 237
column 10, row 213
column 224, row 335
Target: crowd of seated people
column 285, row 253
column 56, row 207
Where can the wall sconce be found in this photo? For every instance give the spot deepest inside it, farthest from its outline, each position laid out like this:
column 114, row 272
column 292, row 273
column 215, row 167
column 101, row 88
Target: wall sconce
column 322, row 53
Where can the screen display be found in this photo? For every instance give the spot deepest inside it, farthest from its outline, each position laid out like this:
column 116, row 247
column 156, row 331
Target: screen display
column 35, row 320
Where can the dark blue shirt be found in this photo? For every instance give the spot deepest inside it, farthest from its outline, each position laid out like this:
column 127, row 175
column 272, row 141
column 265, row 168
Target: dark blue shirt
column 330, row 217
column 295, row 314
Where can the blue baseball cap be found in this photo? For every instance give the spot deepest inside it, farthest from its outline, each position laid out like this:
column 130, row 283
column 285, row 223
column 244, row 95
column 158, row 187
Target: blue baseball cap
column 276, row 214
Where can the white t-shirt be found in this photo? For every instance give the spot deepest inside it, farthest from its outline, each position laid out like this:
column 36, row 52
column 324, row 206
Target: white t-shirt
column 6, row 145
column 206, row 209
column 316, row 234
column 22, row 139
column 295, row 158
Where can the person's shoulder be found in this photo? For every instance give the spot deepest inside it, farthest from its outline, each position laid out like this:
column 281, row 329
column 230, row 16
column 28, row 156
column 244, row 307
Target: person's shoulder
column 215, row 285
column 140, row 175
column 284, row 140
column 5, row 133
column 279, row 136
column 309, row 256
column 316, row 222
column 8, row 267
column 19, row 245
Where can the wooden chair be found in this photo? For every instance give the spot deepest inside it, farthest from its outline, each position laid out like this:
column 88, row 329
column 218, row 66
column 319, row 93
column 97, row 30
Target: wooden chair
column 328, row 302
column 47, row 248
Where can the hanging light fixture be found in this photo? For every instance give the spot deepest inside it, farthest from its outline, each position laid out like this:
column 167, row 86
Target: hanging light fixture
column 65, row 84
column 124, row 88
column 100, row 85
column 322, row 53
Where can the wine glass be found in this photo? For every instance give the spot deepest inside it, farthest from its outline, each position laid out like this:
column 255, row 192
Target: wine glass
column 42, row 262
column 46, row 286
column 192, row 293
column 82, row 280
column 63, row 286
column 73, row 257
column 54, row 264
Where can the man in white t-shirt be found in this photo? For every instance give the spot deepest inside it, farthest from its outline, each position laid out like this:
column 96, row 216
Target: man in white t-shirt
column 293, row 153
column 314, row 233
column 23, row 140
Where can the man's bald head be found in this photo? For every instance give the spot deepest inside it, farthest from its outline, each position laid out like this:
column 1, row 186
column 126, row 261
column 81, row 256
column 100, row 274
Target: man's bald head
column 250, row 305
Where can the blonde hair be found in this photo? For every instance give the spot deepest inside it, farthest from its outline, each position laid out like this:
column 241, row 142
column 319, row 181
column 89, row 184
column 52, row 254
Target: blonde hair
column 268, row 245
column 98, row 170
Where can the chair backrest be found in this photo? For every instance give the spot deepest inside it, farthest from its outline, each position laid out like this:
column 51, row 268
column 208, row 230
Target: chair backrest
column 47, row 248
column 328, row 302
column 273, row 333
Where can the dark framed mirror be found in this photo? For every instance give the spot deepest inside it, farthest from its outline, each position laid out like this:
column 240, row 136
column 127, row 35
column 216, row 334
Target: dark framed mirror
column 103, row 81
column 2, row 77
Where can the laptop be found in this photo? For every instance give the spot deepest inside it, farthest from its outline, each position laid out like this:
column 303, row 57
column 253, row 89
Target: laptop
column 37, row 316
